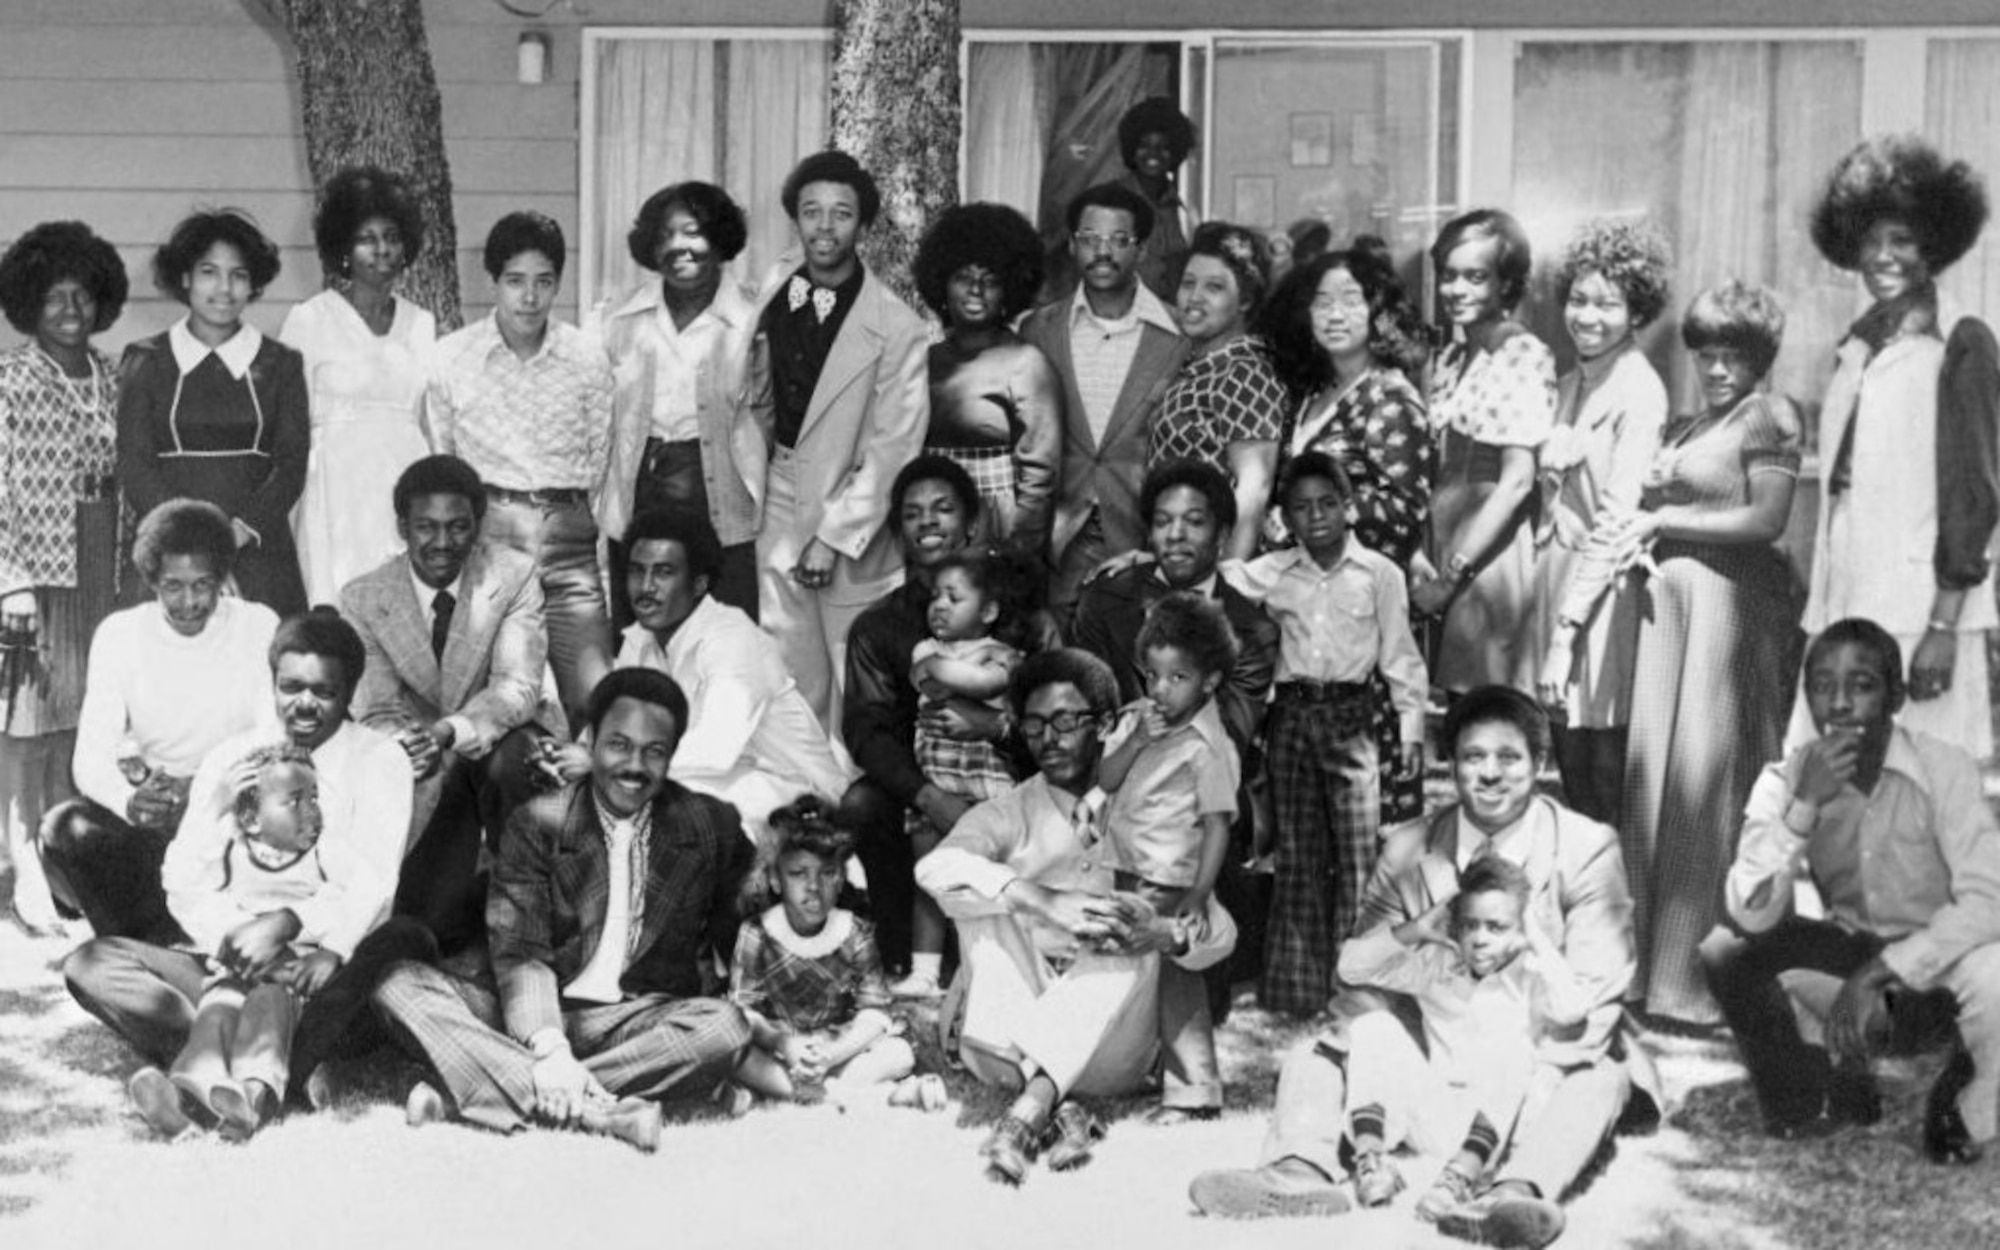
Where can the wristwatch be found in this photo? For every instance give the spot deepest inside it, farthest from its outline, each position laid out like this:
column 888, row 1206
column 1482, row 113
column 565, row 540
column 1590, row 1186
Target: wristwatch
column 1459, row 567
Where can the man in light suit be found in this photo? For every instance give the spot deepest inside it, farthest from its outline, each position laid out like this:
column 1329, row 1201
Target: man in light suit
column 838, row 384
column 1116, row 348
column 609, row 898
column 455, row 645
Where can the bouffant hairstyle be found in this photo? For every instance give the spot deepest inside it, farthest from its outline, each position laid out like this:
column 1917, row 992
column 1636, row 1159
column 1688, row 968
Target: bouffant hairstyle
column 1245, row 254
column 244, row 806
column 1512, row 257
column 1198, row 475
column 322, row 631
column 1065, row 666
column 53, row 252
column 173, row 264
column 184, row 527
column 720, row 218
column 524, row 231
column 994, row 237
column 932, row 467
column 438, row 475
column 1858, row 631
column 1155, row 115
column 1312, row 464
column 351, row 198
column 1633, row 256
column 692, row 530
column 1486, row 705
column 1397, row 335
column 1118, row 198
column 1901, row 177
column 1737, row 315
column 833, row 165
column 1194, row 625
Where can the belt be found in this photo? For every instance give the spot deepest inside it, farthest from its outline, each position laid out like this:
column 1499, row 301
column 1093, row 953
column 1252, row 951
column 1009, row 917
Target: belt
column 553, row 495
column 1323, row 691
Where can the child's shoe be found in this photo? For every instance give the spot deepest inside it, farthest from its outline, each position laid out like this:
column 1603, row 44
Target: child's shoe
column 1451, row 1190
column 917, row 985
column 1376, row 1178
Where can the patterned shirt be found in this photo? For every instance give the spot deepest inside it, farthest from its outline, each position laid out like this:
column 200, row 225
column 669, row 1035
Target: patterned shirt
column 1102, row 351
column 1504, row 398
column 1376, row 431
column 543, row 423
column 807, row 982
column 1225, row 396
column 56, row 446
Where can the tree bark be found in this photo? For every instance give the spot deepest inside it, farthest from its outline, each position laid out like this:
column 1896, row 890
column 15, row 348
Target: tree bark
column 896, row 110
column 369, row 96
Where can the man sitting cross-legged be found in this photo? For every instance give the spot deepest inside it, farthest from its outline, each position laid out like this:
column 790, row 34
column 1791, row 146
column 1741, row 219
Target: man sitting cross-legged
column 609, row 899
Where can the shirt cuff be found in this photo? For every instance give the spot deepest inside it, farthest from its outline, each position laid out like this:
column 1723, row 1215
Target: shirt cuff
column 464, row 736
column 1800, row 817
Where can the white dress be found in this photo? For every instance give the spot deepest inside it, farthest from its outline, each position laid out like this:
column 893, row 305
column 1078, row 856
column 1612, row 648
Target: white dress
column 367, row 427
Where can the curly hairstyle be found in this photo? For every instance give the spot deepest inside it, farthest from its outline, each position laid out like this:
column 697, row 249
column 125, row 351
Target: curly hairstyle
column 322, row 631
column 524, row 231
column 1192, row 624
column 1242, row 251
column 1312, row 464
column 992, row 236
column 809, row 823
column 1901, row 177
column 934, row 467
column 1197, row 475
column 1065, row 666
column 833, row 165
column 1490, row 874
column 173, row 264
column 1155, row 115
column 351, row 198
column 1633, row 256
column 440, row 474
column 50, row 253
column 184, row 527
column 1737, row 315
column 721, row 220
column 1397, row 334
column 1512, row 257
column 244, row 806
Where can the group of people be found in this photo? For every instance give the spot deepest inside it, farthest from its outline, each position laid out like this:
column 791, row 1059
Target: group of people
column 640, row 645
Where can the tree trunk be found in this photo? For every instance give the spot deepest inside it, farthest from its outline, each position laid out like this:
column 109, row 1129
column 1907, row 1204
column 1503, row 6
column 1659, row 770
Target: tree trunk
column 896, row 110
column 369, row 96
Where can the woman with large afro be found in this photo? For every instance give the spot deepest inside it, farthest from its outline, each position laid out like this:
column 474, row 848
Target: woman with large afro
column 1155, row 139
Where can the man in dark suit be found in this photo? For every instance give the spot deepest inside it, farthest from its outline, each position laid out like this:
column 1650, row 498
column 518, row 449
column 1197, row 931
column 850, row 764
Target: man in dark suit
column 608, row 898
column 1116, row 348
column 455, row 642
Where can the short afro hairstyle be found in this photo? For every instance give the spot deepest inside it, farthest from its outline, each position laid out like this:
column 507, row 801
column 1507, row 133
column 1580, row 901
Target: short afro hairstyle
column 1737, row 315
column 173, row 264
column 1197, row 475
column 438, row 475
column 833, row 165
column 524, row 231
column 1065, row 666
column 1155, row 115
column 721, row 220
column 1397, row 335
column 692, row 530
column 1117, row 197
column 1194, row 625
column 1488, row 705
column 1861, row 632
column 1312, row 464
column 932, row 467
column 643, row 685
column 53, row 252
column 184, row 527
column 350, row 200
column 1512, row 257
column 1633, row 256
column 322, row 631
column 994, row 237
column 1901, row 177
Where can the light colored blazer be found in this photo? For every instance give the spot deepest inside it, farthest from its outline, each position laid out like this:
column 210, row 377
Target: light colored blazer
column 733, row 453
column 867, row 420
column 491, row 675
column 1105, row 476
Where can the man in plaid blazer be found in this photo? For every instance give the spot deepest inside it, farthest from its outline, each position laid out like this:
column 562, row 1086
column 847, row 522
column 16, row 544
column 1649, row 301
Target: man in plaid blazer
column 608, row 900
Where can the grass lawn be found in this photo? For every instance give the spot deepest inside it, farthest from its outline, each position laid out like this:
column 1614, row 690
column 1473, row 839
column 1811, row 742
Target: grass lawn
column 76, row 1171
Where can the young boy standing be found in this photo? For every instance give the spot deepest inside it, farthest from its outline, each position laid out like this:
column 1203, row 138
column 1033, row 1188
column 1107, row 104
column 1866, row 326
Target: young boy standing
column 1343, row 615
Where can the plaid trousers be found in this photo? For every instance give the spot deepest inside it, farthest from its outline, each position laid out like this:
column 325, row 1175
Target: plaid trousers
column 1325, row 798
column 653, row 1045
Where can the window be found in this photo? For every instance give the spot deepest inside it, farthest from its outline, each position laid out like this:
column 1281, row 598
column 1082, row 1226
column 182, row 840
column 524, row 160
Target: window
column 1962, row 116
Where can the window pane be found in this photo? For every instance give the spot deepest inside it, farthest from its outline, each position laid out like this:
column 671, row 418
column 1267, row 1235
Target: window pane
column 1962, row 116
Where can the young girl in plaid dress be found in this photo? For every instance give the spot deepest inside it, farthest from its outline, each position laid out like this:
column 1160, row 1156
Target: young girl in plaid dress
column 807, row 975
column 976, row 603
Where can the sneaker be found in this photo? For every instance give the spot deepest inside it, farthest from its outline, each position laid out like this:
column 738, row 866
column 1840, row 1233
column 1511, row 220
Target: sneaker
column 1267, row 1193
column 919, row 985
column 1450, row 1191
column 1377, row 1179
column 1508, row 1217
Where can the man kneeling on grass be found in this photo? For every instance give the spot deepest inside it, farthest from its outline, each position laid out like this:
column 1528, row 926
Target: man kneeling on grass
column 1891, row 829
column 607, row 898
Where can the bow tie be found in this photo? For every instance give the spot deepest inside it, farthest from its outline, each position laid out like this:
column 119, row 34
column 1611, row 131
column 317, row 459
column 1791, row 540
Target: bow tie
column 823, row 298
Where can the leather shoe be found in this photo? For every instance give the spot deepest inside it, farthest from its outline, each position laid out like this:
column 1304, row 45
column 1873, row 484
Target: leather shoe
column 634, row 1121
column 1174, row 1117
column 1008, row 1151
column 1267, row 1193
column 1946, row 1139
column 1073, row 1133
column 1505, row 1217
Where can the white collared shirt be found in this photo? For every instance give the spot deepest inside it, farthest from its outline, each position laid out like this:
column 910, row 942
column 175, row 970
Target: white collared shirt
column 236, row 352
column 684, row 356
column 625, row 839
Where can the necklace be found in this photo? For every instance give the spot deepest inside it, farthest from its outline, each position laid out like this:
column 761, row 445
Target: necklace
column 91, row 404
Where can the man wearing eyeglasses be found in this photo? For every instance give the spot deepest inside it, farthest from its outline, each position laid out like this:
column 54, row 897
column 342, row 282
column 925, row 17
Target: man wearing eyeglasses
column 1059, row 981
column 1116, row 348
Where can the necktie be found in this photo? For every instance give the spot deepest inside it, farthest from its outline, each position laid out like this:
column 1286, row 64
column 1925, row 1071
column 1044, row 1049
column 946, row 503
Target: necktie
column 823, row 298
column 441, row 608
